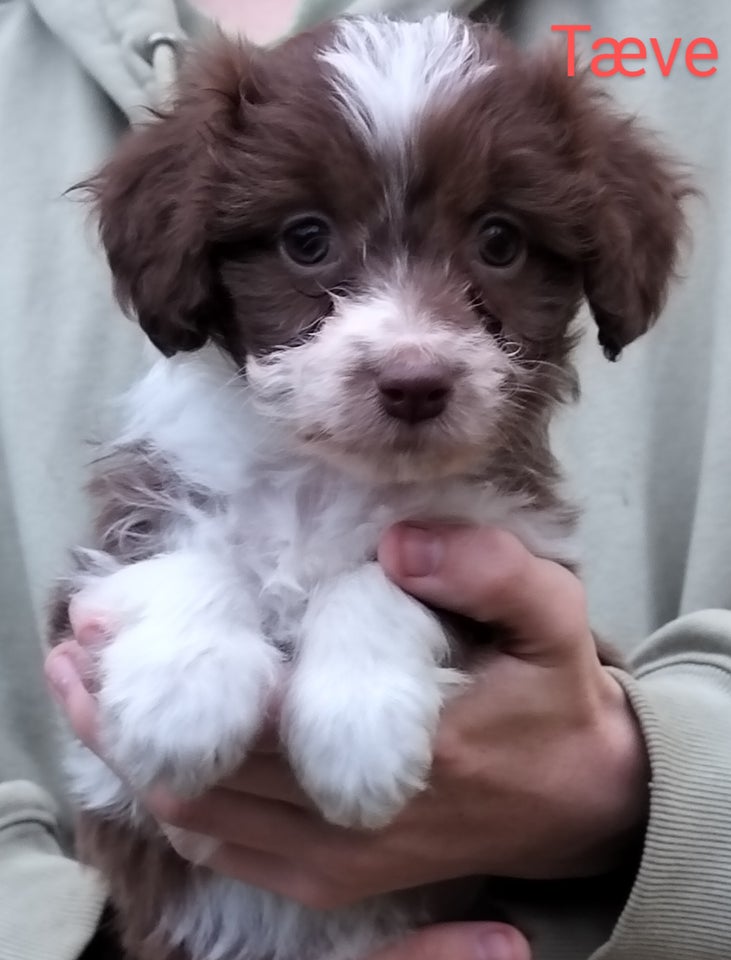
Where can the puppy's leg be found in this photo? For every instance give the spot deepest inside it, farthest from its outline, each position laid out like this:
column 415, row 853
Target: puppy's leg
column 185, row 675
column 365, row 697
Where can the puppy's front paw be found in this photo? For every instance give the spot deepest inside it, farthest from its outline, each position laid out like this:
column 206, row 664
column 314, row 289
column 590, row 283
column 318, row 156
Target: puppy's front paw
column 183, row 681
column 361, row 752
column 365, row 697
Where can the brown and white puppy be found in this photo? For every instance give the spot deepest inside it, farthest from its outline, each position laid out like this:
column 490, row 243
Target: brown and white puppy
column 361, row 255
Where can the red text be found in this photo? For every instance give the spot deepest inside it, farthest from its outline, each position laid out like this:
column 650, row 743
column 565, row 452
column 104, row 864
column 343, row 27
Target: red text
column 628, row 56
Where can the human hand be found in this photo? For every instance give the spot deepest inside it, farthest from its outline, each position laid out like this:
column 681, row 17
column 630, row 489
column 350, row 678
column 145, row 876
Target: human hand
column 539, row 767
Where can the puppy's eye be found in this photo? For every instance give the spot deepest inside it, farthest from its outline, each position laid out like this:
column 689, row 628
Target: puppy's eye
column 500, row 242
column 307, row 240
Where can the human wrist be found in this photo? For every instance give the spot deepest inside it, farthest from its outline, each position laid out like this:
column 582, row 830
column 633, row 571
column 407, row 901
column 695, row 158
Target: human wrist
column 614, row 779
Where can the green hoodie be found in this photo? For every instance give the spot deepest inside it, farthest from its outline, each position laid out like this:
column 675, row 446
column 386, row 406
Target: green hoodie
column 648, row 451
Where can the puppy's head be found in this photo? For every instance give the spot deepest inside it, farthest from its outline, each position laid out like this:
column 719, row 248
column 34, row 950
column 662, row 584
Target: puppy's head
column 390, row 226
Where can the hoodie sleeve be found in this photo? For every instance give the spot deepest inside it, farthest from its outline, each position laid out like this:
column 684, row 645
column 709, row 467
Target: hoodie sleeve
column 679, row 906
column 50, row 905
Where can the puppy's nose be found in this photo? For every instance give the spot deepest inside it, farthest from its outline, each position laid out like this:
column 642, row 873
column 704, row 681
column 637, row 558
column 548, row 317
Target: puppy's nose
column 414, row 391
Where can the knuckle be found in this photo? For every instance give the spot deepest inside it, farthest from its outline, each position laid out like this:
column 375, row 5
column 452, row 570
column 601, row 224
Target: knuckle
column 448, row 750
column 456, row 766
column 314, row 893
column 319, row 889
column 341, row 861
column 347, row 878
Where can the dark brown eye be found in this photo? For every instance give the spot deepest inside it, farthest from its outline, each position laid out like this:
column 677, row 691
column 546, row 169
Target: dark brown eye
column 500, row 242
column 307, row 240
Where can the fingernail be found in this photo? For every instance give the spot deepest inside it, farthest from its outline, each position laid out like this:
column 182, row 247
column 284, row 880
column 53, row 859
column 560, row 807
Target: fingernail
column 61, row 675
column 420, row 552
column 196, row 848
column 494, row 945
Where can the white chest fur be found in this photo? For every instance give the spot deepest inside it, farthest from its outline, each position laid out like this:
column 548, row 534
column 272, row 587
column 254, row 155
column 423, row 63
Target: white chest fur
column 298, row 520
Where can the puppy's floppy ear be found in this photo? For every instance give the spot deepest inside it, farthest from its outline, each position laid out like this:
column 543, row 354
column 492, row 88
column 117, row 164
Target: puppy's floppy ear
column 154, row 203
column 636, row 231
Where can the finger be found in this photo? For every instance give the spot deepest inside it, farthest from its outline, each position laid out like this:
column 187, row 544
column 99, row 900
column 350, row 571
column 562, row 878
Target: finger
column 274, row 873
column 267, row 775
column 460, row 941
column 488, row 575
column 83, row 662
column 196, row 848
column 238, row 819
column 67, row 686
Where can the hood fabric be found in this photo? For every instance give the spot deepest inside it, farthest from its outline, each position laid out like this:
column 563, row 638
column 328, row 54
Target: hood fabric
column 114, row 41
column 310, row 12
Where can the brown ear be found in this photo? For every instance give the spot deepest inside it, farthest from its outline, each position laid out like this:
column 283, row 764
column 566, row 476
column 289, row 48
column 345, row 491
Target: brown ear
column 154, row 203
column 638, row 225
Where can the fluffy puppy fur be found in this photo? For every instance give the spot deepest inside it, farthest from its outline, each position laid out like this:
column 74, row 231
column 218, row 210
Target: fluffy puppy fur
column 361, row 255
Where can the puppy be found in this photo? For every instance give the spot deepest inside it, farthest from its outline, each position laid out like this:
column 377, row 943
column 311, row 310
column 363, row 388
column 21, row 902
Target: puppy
column 361, row 255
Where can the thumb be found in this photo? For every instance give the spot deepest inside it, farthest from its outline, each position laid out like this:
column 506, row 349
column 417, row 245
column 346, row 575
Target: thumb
column 487, row 574
column 460, row 941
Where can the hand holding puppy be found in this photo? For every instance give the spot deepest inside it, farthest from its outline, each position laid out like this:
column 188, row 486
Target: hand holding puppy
column 540, row 770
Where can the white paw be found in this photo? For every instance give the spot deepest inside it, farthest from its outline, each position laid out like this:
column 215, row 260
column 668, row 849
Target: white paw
column 184, row 681
column 361, row 753
column 365, row 697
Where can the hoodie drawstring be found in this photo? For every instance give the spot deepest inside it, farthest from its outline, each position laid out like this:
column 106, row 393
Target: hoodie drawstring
column 162, row 51
column 163, row 48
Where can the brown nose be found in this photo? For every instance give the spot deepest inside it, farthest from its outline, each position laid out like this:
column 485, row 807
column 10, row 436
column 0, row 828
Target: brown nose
column 414, row 391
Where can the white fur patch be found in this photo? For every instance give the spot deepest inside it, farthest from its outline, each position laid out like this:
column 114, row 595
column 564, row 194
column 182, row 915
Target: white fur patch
column 387, row 72
column 365, row 747
column 185, row 682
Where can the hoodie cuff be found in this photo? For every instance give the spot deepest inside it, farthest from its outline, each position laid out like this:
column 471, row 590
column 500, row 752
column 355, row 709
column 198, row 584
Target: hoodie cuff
column 679, row 904
column 50, row 905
